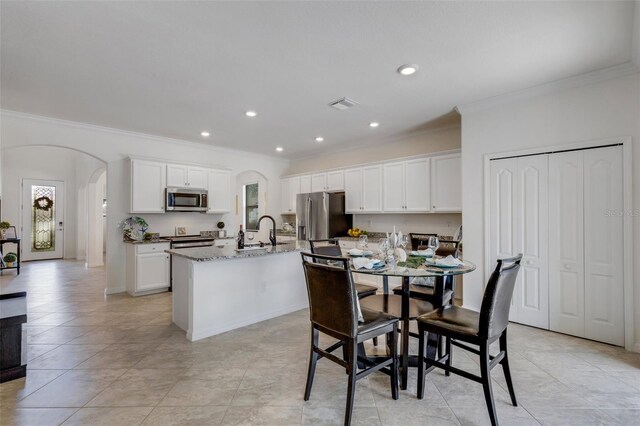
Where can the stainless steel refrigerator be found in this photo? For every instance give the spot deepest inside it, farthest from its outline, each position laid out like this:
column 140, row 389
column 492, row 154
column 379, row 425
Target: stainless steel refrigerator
column 320, row 215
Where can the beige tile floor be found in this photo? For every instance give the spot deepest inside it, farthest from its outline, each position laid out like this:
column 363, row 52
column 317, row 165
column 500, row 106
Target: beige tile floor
column 118, row 360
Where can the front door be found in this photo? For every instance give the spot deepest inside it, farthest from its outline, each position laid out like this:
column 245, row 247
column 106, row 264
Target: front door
column 42, row 219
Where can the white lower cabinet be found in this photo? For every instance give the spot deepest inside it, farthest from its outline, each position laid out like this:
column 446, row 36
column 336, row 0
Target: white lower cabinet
column 147, row 268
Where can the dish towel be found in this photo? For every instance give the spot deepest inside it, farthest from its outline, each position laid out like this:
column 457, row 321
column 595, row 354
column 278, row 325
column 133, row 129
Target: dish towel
column 363, row 262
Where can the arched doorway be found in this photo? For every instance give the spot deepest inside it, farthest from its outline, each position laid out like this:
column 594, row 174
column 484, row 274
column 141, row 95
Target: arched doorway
column 75, row 171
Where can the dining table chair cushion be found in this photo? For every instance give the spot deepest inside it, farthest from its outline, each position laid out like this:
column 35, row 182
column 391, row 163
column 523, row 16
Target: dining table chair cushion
column 365, row 290
column 372, row 320
column 453, row 320
column 391, row 304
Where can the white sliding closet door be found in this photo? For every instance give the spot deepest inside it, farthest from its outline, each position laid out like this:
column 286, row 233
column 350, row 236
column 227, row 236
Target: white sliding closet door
column 519, row 224
column 531, row 293
column 603, row 222
column 566, row 243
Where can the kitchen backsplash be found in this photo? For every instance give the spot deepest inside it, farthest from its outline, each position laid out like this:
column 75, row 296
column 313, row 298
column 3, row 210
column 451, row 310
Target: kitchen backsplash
column 165, row 224
column 439, row 223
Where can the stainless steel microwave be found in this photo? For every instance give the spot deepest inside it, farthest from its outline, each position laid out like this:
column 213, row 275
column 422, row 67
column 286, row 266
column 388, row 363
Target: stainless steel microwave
column 186, row 200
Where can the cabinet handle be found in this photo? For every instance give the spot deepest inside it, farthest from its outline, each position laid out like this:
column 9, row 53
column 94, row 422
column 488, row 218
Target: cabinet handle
column 529, row 262
column 433, row 206
column 568, row 266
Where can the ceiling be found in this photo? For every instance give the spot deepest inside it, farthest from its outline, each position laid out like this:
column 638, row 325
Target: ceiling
column 177, row 68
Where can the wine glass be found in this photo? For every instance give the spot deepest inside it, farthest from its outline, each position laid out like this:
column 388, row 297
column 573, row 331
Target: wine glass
column 362, row 242
column 433, row 244
column 250, row 236
column 404, row 241
column 384, row 246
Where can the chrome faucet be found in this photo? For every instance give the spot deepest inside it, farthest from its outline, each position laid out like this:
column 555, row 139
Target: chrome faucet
column 272, row 233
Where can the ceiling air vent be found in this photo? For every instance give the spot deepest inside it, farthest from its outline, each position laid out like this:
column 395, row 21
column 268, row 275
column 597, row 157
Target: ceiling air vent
column 344, row 103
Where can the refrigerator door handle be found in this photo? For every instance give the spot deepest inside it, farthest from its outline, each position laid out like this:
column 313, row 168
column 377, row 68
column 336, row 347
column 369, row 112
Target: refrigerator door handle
column 309, row 226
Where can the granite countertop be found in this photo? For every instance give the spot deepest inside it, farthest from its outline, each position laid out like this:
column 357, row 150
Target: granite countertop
column 206, row 254
column 157, row 241
column 168, row 239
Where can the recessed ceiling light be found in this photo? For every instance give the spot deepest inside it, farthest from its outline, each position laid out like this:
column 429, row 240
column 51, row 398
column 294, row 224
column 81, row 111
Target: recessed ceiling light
column 319, row 139
column 250, row 113
column 279, row 149
column 374, row 124
column 408, row 69
column 204, row 134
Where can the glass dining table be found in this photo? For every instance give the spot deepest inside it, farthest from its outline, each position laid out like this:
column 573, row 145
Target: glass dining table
column 443, row 279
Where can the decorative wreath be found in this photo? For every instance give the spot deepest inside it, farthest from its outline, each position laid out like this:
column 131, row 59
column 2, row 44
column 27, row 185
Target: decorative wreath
column 43, row 203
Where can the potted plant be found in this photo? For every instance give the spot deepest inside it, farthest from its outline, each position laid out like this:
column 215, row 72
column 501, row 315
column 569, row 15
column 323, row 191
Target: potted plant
column 10, row 259
column 221, row 233
column 4, row 225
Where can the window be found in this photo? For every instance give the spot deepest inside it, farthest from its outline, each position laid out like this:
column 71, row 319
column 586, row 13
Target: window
column 43, row 213
column 250, row 196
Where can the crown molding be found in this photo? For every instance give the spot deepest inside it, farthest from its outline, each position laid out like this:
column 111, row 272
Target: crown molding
column 128, row 133
column 593, row 77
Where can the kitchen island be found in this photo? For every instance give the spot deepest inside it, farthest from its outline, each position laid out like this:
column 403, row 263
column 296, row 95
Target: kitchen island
column 217, row 289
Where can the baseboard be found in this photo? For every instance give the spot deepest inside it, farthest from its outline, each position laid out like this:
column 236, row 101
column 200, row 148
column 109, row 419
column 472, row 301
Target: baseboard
column 115, row 290
column 248, row 321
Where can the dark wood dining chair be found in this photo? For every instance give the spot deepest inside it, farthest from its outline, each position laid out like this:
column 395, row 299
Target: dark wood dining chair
column 477, row 328
column 424, row 292
column 331, row 247
column 333, row 308
column 418, row 240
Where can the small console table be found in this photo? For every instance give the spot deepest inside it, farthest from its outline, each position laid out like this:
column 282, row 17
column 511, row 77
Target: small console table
column 15, row 241
column 13, row 357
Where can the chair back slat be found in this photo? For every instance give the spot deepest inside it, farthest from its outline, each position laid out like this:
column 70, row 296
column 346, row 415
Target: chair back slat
column 418, row 240
column 496, row 303
column 328, row 247
column 332, row 295
column 447, row 247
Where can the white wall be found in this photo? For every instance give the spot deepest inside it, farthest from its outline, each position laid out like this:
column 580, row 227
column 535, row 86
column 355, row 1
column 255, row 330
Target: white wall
column 113, row 147
column 49, row 163
column 438, row 223
column 434, row 140
column 599, row 110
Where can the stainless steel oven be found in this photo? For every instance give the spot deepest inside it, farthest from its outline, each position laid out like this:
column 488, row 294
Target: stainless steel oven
column 186, row 200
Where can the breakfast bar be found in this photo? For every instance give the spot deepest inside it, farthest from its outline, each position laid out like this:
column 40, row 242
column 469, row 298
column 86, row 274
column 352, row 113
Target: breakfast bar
column 218, row 289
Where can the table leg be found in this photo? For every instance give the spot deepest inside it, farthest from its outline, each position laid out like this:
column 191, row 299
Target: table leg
column 404, row 359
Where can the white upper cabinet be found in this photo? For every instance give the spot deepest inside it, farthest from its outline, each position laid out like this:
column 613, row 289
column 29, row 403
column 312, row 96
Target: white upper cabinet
column 289, row 190
column 363, row 189
column 285, row 201
column 219, row 184
column 446, row 183
column 179, row 175
column 318, row 182
column 329, row 181
column 148, row 183
column 406, row 186
column 335, row 180
column 420, row 185
column 294, row 190
column 417, row 185
column 353, row 190
column 393, row 187
column 305, row 184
